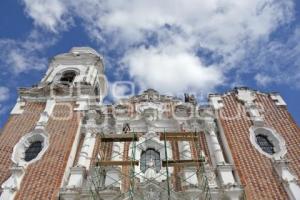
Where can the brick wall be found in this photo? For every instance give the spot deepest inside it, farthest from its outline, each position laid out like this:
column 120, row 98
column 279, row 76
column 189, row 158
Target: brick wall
column 177, row 175
column 126, row 169
column 280, row 119
column 256, row 170
column 42, row 178
column 16, row 127
column 201, row 141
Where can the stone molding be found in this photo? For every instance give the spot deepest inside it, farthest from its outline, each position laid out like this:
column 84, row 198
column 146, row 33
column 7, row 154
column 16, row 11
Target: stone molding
column 275, row 138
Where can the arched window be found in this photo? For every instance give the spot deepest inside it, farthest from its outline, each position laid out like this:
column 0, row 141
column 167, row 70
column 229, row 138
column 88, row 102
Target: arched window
column 68, row 77
column 147, row 156
column 265, row 144
column 33, row 150
column 96, row 91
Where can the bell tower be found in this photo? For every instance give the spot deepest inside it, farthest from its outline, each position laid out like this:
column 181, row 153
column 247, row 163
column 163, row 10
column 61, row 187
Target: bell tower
column 79, row 73
column 39, row 142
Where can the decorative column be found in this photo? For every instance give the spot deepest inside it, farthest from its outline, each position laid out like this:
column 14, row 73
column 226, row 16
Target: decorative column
column 113, row 174
column 190, row 175
column 87, row 150
column 77, row 173
column 12, row 184
column 224, row 169
column 289, row 180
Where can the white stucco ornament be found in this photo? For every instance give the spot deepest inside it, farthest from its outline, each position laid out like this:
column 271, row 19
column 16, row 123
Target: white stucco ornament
column 12, row 184
column 150, row 173
column 245, row 95
column 216, row 102
column 150, row 111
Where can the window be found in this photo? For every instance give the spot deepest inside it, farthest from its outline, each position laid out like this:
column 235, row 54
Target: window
column 30, row 148
column 96, row 91
column 68, row 77
column 268, row 142
column 265, row 144
column 147, row 156
column 33, row 150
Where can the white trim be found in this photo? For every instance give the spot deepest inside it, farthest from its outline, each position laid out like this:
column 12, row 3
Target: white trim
column 72, row 156
column 278, row 99
column 288, row 178
column 216, row 102
column 45, row 115
column 18, row 108
column 12, row 184
column 57, row 73
column 86, row 152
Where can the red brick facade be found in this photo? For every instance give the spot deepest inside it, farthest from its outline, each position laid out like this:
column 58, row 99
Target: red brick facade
column 16, row 127
column 203, row 147
column 256, row 170
column 42, row 178
column 280, row 119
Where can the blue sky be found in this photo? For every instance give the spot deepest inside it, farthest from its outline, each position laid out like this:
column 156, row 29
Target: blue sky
column 171, row 46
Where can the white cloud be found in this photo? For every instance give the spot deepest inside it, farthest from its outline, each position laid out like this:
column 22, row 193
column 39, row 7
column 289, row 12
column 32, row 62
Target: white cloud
column 21, row 56
column 227, row 28
column 4, row 93
column 218, row 25
column 263, row 80
column 278, row 62
column 171, row 72
column 3, row 109
column 49, row 14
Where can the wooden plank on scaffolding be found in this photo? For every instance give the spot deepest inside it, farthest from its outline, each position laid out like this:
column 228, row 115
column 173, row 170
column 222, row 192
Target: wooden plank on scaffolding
column 172, row 163
column 179, row 136
column 119, row 138
column 117, row 162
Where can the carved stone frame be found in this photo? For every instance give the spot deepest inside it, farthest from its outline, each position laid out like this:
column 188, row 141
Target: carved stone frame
column 20, row 148
column 275, row 138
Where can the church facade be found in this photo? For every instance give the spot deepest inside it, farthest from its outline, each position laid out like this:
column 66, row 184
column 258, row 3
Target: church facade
column 62, row 142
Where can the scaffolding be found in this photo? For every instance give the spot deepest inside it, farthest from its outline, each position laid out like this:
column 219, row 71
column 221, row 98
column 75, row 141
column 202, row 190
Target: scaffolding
column 97, row 177
column 199, row 162
column 129, row 180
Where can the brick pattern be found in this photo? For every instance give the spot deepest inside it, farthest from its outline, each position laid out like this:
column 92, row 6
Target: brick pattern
column 203, row 145
column 125, row 169
column 43, row 178
column 16, row 127
column 104, row 149
column 280, row 119
column 255, row 170
column 108, row 153
column 176, row 176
